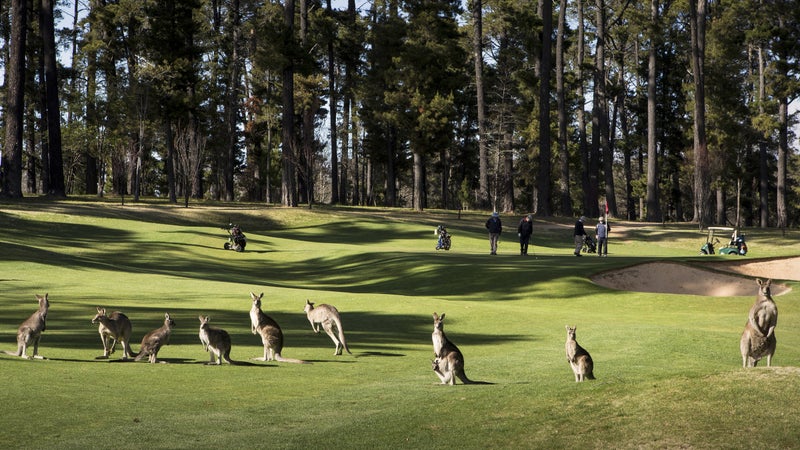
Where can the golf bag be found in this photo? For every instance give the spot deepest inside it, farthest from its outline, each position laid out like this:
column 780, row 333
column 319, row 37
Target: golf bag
column 589, row 246
column 444, row 238
column 236, row 239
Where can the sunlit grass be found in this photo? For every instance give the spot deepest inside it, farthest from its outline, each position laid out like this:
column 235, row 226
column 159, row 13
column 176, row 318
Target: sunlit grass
column 668, row 367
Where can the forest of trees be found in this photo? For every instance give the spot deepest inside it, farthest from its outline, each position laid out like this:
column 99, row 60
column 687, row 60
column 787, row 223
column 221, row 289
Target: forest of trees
column 659, row 110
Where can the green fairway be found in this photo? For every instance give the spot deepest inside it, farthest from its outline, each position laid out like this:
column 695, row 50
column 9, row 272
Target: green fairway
column 669, row 373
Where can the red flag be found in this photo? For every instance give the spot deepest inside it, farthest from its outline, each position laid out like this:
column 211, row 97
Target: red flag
column 606, row 209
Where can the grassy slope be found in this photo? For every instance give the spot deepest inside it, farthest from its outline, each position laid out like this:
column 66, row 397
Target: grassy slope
column 668, row 366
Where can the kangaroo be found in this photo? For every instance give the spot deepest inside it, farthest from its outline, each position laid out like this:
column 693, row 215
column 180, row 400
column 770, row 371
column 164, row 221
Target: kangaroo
column 30, row 331
column 328, row 316
column 578, row 358
column 112, row 328
column 758, row 339
column 154, row 340
column 449, row 361
column 270, row 332
column 216, row 341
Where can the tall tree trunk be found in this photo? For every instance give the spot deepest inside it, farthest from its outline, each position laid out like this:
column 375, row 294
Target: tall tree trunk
column 232, row 98
column 444, row 178
column 332, row 98
column 354, row 144
column 653, row 205
column 305, row 157
column 476, row 7
column 783, row 152
column 391, row 176
column 763, row 155
column 15, row 102
column 345, row 163
column 563, row 150
column 719, row 217
column 419, row 183
column 41, row 113
column 30, row 160
column 627, row 169
column 288, row 191
column 543, row 183
column 599, row 113
column 57, row 186
column 702, row 174
column 583, row 147
column 507, row 178
column 90, row 156
column 170, row 162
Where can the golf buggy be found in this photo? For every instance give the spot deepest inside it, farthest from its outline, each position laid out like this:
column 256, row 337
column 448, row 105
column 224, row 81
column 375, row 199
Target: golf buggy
column 736, row 246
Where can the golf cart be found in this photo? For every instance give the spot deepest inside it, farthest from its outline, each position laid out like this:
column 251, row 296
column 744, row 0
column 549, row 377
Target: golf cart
column 736, row 246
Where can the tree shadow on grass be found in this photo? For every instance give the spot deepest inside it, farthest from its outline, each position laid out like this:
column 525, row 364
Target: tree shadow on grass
column 368, row 334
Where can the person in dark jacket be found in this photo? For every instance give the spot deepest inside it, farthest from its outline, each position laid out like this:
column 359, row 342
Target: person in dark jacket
column 495, row 227
column 524, row 231
column 580, row 235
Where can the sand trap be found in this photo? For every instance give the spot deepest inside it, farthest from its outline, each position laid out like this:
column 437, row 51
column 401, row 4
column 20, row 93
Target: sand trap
column 777, row 269
column 697, row 279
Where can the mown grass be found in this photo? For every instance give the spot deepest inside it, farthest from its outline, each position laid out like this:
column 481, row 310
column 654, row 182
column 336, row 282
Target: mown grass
column 668, row 367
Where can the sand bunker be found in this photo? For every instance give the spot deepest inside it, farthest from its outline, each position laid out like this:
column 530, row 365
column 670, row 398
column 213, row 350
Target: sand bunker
column 702, row 278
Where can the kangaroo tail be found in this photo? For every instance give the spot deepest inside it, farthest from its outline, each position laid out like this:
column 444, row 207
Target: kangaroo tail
column 128, row 349
column 466, row 380
column 341, row 335
column 280, row 358
column 227, row 357
column 344, row 343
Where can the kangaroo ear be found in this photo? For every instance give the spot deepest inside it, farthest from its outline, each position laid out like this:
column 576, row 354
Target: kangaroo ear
column 166, row 315
column 435, row 316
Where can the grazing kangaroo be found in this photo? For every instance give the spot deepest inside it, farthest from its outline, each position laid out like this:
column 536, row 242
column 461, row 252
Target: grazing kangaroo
column 758, row 339
column 270, row 332
column 112, row 328
column 216, row 341
column 328, row 316
column 578, row 358
column 154, row 340
column 449, row 361
column 30, row 332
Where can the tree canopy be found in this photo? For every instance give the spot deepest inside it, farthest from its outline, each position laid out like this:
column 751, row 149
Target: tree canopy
column 659, row 110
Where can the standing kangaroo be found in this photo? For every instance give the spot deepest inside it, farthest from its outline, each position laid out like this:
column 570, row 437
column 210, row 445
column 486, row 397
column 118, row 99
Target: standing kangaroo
column 578, row 358
column 449, row 361
column 154, row 340
column 270, row 332
column 216, row 341
column 30, row 332
column 758, row 339
column 328, row 316
column 112, row 328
